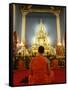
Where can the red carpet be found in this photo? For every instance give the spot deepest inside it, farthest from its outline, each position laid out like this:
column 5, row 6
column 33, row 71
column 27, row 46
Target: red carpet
column 19, row 75
column 59, row 75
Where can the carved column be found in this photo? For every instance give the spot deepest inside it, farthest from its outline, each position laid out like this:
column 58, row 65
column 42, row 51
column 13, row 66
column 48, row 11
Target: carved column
column 58, row 29
column 23, row 26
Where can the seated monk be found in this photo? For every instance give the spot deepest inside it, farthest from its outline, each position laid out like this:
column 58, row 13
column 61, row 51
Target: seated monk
column 40, row 72
column 20, row 65
column 54, row 63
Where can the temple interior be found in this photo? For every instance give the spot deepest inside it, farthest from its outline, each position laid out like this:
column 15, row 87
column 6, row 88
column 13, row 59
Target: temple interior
column 29, row 40
column 34, row 26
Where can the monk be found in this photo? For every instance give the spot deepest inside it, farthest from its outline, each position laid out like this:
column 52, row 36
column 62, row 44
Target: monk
column 54, row 63
column 21, row 65
column 40, row 72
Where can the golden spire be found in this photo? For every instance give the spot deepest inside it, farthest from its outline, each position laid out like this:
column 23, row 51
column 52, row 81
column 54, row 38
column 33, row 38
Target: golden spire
column 41, row 25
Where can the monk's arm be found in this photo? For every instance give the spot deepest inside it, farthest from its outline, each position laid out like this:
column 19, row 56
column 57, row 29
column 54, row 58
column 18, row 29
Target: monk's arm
column 49, row 68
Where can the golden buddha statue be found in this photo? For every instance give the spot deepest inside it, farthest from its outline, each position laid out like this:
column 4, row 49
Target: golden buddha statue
column 41, row 39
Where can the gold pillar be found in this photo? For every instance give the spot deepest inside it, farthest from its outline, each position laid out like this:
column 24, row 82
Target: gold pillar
column 23, row 26
column 58, row 29
column 14, row 10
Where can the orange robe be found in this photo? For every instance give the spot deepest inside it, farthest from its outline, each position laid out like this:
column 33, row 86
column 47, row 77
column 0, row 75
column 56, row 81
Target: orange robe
column 54, row 64
column 40, row 72
column 20, row 65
